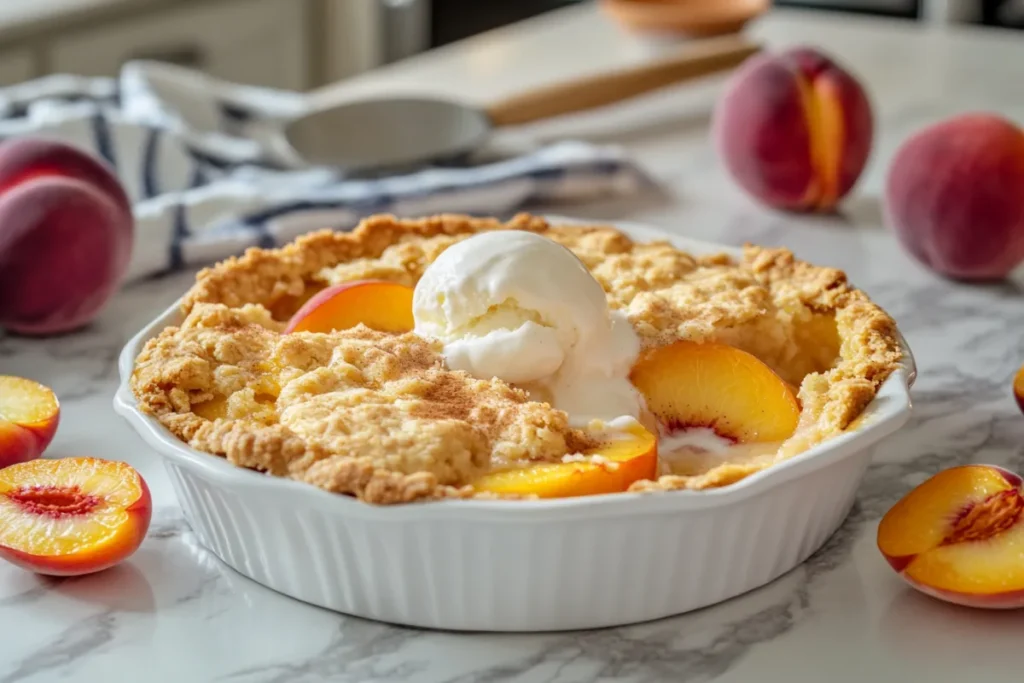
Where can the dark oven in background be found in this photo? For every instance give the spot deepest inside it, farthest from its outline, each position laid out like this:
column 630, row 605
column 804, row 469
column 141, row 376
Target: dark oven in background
column 413, row 26
column 453, row 20
column 1005, row 13
column 890, row 8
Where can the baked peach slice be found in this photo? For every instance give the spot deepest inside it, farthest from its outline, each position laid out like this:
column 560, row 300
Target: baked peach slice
column 72, row 516
column 378, row 304
column 688, row 385
column 959, row 537
column 29, row 413
column 621, row 462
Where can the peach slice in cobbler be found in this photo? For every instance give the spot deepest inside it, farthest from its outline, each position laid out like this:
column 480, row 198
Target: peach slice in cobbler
column 712, row 386
column 610, row 467
column 380, row 305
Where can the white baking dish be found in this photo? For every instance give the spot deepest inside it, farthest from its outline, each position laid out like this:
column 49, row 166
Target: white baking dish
column 520, row 566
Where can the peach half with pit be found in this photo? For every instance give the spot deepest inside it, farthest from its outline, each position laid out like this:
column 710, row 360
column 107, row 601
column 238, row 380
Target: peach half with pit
column 72, row 516
column 794, row 129
column 610, row 467
column 690, row 385
column 959, row 537
column 378, row 304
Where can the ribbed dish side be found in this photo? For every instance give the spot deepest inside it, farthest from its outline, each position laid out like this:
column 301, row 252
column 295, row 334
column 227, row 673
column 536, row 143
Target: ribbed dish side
column 526, row 576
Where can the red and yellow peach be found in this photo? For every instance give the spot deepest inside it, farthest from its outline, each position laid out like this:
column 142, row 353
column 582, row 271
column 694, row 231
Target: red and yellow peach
column 954, row 197
column 65, row 236
column 794, row 129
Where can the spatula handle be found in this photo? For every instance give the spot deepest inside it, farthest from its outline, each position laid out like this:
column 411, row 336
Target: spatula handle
column 704, row 58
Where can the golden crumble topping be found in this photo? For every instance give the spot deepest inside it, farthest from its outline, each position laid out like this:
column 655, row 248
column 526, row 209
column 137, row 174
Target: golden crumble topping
column 346, row 411
column 379, row 416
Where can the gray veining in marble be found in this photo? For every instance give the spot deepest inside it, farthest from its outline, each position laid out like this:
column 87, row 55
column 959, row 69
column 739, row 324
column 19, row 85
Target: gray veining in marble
column 174, row 613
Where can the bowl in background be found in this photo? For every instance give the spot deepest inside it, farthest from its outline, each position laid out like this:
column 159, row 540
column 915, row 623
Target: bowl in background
column 689, row 18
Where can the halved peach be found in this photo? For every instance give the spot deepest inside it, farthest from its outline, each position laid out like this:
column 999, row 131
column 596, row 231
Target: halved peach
column 959, row 536
column 631, row 458
column 690, row 386
column 29, row 413
column 1018, row 388
column 72, row 516
column 794, row 129
column 378, row 304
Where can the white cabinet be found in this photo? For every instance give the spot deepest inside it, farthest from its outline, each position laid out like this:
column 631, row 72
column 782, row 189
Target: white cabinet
column 17, row 66
column 354, row 31
column 362, row 34
column 247, row 41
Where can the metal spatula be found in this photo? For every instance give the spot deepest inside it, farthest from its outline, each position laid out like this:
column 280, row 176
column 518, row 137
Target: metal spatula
column 400, row 132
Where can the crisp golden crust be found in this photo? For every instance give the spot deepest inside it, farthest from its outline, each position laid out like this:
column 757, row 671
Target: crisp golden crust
column 806, row 322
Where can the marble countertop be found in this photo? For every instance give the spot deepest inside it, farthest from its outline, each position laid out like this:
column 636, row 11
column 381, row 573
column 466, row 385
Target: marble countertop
column 175, row 613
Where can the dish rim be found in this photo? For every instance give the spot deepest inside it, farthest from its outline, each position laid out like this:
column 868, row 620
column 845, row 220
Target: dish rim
column 886, row 413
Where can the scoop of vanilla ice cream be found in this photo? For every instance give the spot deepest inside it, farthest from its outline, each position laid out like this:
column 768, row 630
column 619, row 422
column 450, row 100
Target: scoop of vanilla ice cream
column 520, row 307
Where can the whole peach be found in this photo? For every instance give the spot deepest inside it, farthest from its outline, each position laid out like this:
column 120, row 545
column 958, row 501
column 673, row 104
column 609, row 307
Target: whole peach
column 65, row 236
column 794, row 129
column 954, row 196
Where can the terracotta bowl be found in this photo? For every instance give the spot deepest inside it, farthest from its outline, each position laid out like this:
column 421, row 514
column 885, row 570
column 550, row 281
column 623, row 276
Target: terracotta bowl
column 685, row 17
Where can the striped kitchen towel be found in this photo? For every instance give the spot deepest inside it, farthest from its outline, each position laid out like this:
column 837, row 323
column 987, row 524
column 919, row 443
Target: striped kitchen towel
column 201, row 160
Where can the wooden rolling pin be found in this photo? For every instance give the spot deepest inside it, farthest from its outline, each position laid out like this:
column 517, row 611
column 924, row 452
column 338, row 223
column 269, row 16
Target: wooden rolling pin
column 703, row 58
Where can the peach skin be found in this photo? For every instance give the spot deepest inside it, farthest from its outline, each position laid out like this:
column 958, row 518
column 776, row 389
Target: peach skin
column 954, row 197
column 22, row 159
column 66, row 233
column 794, row 129
column 380, row 305
column 1018, row 388
column 689, row 385
column 958, row 537
column 72, row 516
column 627, row 460
column 29, row 413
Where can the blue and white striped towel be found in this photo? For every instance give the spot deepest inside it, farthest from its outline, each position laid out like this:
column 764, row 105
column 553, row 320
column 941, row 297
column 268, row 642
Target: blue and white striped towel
column 197, row 158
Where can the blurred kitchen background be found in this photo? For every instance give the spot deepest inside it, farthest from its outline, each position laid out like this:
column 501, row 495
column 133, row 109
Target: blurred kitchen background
column 302, row 44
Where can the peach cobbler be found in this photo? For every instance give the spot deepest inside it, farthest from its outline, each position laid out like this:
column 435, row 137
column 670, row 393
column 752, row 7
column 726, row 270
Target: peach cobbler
column 454, row 357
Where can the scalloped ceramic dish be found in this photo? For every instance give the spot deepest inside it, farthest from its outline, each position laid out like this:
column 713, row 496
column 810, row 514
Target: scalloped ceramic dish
column 557, row 564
